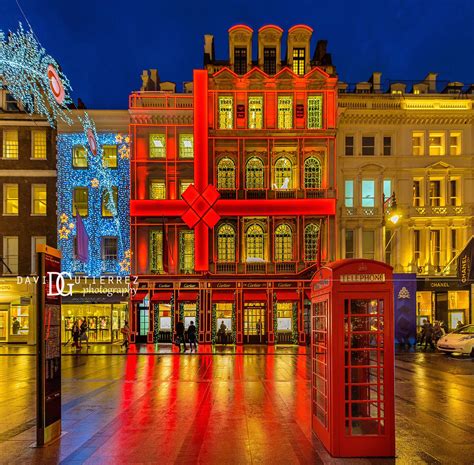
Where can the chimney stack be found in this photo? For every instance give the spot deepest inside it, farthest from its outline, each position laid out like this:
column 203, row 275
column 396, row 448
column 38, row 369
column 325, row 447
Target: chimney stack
column 430, row 79
column 376, row 79
column 154, row 79
column 208, row 48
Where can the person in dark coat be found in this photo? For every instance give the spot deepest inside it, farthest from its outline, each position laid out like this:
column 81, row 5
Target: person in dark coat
column 429, row 333
column 180, row 335
column 76, row 333
column 192, row 336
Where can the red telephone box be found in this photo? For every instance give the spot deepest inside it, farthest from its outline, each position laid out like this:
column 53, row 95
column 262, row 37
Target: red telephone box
column 352, row 386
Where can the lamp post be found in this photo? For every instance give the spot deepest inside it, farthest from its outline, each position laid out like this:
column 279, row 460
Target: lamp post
column 390, row 211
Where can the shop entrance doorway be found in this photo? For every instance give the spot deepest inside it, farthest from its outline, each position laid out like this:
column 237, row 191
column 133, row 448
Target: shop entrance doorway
column 143, row 323
column 254, row 323
column 3, row 326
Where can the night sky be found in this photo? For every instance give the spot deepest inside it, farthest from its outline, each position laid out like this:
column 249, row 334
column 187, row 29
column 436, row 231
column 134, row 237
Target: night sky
column 103, row 45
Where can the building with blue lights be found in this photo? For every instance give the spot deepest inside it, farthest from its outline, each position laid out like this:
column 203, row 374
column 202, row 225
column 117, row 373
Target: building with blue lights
column 86, row 184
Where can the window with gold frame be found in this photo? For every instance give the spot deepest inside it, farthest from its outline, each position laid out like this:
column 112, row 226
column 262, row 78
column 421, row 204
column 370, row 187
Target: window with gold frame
column 107, row 208
column 312, row 173
column 10, row 199
column 156, row 251
column 285, row 112
column 109, row 156
column 315, row 112
column 283, row 173
column 256, row 112
column 186, row 251
column 38, row 145
column 283, row 243
column 38, row 199
column 254, row 174
column 255, row 243
column 10, row 144
column 226, row 174
column 186, row 146
column 226, row 244
column 284, row 311
column 299, row 61
column 79, row 157
column 226, row 112
column 80, row 201
column 157, row 189
column 311, row 239
column 157, row 146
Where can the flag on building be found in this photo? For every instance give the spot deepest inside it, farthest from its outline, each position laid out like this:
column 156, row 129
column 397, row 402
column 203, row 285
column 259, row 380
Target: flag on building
column 82, row 240
column 466, row 263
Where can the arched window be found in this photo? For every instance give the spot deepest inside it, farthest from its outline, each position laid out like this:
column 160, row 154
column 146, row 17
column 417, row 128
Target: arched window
column 312, row 173
column 283, row 174
column 255, row 243
column 226, row 174
column 226, row 243
column 254, row 174
column 283, row 243
column 311, row 236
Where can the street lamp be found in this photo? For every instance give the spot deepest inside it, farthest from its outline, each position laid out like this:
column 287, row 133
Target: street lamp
column 390, row 210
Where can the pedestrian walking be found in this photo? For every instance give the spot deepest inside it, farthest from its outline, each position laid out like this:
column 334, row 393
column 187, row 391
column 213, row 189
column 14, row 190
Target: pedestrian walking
column 180, row 335
column 422, row 333
column 438, row 331
column 192, row 336
column 223, row 333
column 429, row 332
column 76, row 333
column 83, row 332
column 126, row 335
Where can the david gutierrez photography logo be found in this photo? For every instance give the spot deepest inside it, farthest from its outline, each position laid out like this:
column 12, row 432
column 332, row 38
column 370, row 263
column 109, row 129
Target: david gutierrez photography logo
column 64, row 284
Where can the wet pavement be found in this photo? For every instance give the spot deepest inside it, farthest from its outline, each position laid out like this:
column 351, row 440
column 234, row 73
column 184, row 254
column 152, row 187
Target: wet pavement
column 230, row 406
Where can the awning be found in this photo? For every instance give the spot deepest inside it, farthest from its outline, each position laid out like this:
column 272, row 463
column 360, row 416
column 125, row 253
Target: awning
column 139, row 296
column 252, row 296
column 285, row 296
column 161, row 296
column 187, row 296
column 223, row 296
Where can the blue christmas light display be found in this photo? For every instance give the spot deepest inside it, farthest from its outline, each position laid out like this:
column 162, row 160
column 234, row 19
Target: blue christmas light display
column 33, row 77
column 97, row 179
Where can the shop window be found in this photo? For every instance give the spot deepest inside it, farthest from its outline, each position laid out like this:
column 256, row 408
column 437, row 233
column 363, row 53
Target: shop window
column 10, row 255
column 255, row 112
column 79, row 157
column 417, row 247
column 226, row 244
column 38, row 199
column 157, row 190
column 226, row 174
column 349, row 145
column 458, row 309
column 10, row 199
column 255, row 243
column 387, row 145
column 10, row 144
column 186, row 251
column 435, row 193
column 269, row 61
column 109, row 156
column 284, row 312
column 109, row 248
column 311, row 242
column 349, row 193
column 368, row 245
column 254, row 174
column 285, row 112
column 35, row 241
column 424, row 307
column 283, row 243
column 190, row 314
column 165, row 317
column 435, row 248
column 349, row 242
column 315, row 112
column 436, row 143
column 368, row 193
column 299, row 61
column 240, row 60
column 186, row 146
column 80, row 199
column 417, row 193
column 283, row 174
column 418, row 143
column 183, row 185
column 19, row 320
column 368, row 145
column 312, row 173
column 109, row 205
column 224, row 317
column 226, row 112
column 157, row 146
column 156, row 251
column 38, row 145
column 387, row 189
column 454, row 197
column 455, row 143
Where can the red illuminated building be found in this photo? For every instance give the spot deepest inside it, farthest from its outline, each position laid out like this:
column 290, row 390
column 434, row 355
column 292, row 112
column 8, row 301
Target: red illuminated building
column 233, row 191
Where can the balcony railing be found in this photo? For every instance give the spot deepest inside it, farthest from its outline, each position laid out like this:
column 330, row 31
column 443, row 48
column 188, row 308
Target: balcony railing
column 228, row 193
column 316, row 193
column 226, row 267
column 285, row 194
column 160, row 100
column 257, row 267
column 447, row 210
column 285, row 267
column 255, row 194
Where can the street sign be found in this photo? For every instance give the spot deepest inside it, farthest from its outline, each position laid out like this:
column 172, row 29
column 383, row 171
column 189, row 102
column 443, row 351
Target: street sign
column 48, row 360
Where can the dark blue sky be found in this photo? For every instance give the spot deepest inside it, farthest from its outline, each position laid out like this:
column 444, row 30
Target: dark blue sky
column 103, row 45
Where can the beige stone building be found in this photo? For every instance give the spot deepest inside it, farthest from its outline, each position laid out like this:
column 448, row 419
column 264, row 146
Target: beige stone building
column 415, row 141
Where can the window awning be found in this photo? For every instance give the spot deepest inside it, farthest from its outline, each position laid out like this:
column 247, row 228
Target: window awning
column 252, row 296
column 187, row 296
column 161, row 296
column 139, row 296
column 223, row 296
column 285, row 296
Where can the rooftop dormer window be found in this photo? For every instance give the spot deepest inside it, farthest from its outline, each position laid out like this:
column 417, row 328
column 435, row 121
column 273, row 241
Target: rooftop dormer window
column 240, row 60
column 298, row 61
column 269, row 60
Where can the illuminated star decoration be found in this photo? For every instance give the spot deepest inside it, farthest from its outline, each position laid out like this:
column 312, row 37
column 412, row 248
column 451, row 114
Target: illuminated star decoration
column 33, row 77
column 124, row 265
column 71, row 225
column 128, row 254
column 64, row 232
column 95, row 183
column 63, row 218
